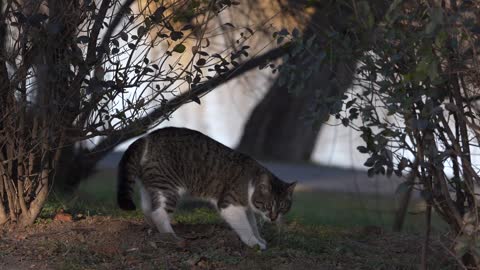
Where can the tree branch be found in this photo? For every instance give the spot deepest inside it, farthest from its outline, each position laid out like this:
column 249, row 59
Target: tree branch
column 88, row 158
column 4, row 80
column 97, row 26
column 118, row 17
column 91, row 58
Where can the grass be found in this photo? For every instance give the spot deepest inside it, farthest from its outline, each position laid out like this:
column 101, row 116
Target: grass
column 345, row 210
column 341, row 210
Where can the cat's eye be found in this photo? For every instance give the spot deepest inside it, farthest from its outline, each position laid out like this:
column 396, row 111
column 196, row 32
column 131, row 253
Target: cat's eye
column 285, row 206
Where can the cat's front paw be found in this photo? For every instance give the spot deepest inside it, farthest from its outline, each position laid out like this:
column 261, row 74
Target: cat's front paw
column 261, row 240
column 254, row 243
column 259, row 244
column 262, row 245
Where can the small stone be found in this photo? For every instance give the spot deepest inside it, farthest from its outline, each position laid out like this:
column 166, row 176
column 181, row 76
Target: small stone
column 152, row 244
column 132, row 249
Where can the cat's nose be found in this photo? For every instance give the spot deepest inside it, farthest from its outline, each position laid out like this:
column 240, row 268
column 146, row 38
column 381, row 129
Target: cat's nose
column 273, row 216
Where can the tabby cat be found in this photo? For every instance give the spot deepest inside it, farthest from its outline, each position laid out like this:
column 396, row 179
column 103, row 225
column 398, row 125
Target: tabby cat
column 171, row 162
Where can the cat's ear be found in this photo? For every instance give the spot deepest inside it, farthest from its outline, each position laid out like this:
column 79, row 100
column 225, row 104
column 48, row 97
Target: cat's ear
column 264, row 184
column 291, row 188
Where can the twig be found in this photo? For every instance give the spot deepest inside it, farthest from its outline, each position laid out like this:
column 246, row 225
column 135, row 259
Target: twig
column 404, row 201
column 460, row 263
column 428, row 216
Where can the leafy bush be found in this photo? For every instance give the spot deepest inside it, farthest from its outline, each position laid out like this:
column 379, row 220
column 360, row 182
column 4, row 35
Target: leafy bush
column 415, row 100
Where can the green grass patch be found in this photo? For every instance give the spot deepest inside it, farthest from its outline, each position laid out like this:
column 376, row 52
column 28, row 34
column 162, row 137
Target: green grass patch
column 187, row 214
column 97, row 196
column 349, row 210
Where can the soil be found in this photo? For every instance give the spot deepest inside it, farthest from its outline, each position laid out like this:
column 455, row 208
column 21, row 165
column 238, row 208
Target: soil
column 113, row 243
column 119, row 243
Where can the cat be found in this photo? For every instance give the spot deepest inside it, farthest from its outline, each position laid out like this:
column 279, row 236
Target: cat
column 171, row 162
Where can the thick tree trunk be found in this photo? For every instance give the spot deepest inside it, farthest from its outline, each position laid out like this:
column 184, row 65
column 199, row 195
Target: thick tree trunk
column 275, row 129
column 76, row 165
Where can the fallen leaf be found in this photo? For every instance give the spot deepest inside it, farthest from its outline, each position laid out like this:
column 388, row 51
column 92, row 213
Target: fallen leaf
column 64, row 217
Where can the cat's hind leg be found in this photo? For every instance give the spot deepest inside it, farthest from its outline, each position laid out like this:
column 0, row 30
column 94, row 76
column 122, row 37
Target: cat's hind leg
column 236, row 217
column 157, row 208
column 162, row 207
column 146, row 202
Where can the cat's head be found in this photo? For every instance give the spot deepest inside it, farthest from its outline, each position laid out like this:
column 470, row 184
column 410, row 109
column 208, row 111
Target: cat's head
column 272, row 198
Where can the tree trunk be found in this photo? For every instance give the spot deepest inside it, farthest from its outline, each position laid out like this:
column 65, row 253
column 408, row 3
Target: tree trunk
column 26, row 167
column 30, row 215
column 4, row 93
column 276, row 129
column 75, row 165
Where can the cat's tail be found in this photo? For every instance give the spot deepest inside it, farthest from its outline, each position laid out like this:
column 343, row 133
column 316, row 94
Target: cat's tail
column 128, row 169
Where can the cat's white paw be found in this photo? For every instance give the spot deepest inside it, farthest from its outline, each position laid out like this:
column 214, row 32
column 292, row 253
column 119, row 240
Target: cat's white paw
column 262, row 245
column 254, row 243
column 262, row 241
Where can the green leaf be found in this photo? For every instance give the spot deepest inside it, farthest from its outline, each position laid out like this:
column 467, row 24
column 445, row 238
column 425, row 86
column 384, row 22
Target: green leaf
column 283, row 32
column 196, row 99
column 350, row 103
column 436, row 20
column 179, row 48
column 141, row 31
column 176, row 35
column 124, row 36
column 295, row 33
column 370, row 162
column 362, row 149
column 201, row 62
column 83, row 39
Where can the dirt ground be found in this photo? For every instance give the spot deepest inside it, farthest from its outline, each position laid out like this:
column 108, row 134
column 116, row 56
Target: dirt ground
column 119, row 243
column 108, row 243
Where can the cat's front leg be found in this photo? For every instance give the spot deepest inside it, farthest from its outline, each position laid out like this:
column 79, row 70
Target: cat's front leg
column 253, row 223
column 236, row 217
